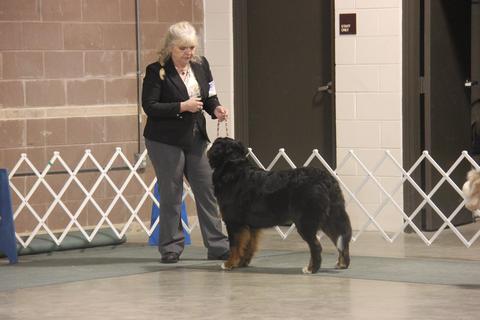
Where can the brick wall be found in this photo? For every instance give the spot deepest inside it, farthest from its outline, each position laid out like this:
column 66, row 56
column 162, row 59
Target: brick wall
column 68, row 83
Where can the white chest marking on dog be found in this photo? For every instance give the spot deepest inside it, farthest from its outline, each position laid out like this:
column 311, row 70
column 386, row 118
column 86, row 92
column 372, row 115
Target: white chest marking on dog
column 340, row 243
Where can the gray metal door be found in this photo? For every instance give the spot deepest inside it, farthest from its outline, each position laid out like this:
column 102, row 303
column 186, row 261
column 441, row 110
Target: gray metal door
column 284, row 64
column 447, row 129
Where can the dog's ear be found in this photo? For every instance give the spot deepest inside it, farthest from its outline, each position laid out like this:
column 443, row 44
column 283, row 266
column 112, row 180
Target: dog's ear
column 472, row 174
column 239, row 149
column 475, row 185
column 473, row 178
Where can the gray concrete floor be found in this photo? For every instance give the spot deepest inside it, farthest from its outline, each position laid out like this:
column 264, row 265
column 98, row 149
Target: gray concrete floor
column 183, row 293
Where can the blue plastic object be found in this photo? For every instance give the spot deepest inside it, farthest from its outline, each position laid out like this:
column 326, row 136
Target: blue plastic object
column 153, row 240
column 8, row 244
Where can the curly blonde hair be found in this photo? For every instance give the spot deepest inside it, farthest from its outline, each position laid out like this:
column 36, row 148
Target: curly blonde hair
column 179, row 34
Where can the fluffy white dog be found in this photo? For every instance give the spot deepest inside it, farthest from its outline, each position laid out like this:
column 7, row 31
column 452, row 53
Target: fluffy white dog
column 471, row 190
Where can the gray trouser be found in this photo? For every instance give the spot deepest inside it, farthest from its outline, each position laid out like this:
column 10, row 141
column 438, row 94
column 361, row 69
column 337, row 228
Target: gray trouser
column 170, row 164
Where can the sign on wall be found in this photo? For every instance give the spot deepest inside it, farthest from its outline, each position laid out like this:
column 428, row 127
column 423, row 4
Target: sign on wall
column 348, row 23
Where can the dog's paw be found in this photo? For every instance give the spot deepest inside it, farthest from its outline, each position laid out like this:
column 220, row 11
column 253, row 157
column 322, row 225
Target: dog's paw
column 305, row 270
column 225, row 267
column 244, row 263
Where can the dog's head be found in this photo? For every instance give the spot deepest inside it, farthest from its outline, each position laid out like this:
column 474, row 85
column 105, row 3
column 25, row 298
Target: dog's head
column 225, row 150
column 471, row 190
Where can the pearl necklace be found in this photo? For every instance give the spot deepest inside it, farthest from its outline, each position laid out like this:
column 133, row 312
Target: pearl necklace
column 183, row 71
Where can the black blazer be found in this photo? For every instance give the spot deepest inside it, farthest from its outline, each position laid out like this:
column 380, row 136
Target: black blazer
column 161, row 102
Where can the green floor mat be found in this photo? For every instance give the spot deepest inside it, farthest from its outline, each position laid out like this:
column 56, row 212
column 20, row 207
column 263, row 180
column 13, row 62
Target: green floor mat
column 128, row 259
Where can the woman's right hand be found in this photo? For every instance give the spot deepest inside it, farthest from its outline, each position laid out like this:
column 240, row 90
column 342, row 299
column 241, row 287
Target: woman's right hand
column 193, row 105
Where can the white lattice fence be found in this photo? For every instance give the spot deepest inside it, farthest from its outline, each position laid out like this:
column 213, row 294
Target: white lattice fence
column 369, row 176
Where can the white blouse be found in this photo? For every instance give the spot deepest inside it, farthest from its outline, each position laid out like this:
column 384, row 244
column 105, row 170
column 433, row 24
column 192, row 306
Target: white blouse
column 191, row 83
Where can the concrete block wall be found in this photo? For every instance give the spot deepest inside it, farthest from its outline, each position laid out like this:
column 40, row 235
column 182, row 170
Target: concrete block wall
column 369, row 102
column 219, row 51
column 68, row 83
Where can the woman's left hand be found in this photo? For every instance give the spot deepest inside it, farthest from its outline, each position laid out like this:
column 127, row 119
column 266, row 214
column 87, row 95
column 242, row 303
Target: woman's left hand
column 221, row 113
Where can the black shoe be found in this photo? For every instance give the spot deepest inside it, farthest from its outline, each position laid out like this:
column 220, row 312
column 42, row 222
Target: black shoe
column 220, row 257
column 170, row 257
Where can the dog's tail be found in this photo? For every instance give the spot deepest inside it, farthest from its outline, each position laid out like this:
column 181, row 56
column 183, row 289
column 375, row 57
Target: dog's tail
column 345, row 237
column 340, row 243
column 343, row 241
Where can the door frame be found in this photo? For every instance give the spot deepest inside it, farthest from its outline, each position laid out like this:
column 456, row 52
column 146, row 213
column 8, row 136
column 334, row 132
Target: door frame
column 240, row 71
column 417, row 96
column 413, row 103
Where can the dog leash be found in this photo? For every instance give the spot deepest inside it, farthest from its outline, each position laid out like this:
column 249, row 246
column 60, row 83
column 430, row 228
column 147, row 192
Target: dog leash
column 226, row 128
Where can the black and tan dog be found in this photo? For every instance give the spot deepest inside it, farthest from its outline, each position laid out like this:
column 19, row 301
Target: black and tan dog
column 251, row 199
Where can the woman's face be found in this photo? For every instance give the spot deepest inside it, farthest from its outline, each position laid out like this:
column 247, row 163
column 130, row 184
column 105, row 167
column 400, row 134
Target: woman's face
column 183, row 53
